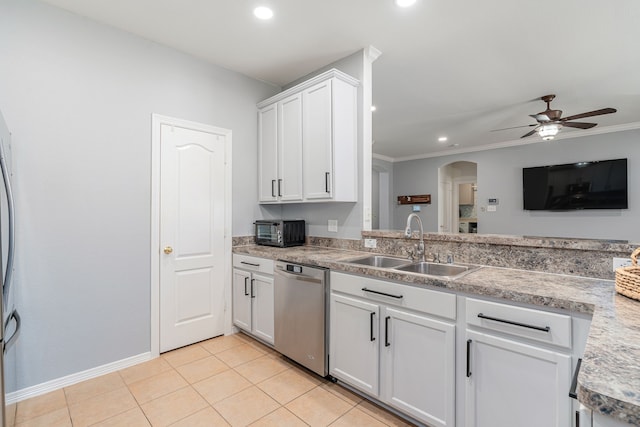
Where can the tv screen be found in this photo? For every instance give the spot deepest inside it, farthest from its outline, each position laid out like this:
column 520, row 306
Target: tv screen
column 584, row 185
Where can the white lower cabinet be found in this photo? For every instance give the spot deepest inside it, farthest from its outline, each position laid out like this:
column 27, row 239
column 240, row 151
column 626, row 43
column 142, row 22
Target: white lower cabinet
column 252, row 296
column 600, row 420
column 510, row 379
column 583, row 417
column 384, row 344
column 418, row 372
column 354, row 354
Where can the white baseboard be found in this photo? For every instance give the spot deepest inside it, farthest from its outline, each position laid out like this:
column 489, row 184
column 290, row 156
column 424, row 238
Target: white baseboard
column 58, row 383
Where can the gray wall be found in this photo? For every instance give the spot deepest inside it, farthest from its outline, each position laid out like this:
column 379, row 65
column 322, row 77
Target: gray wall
column 500, row 176
column 382, row 209
column 78, row 97
column 348, row 215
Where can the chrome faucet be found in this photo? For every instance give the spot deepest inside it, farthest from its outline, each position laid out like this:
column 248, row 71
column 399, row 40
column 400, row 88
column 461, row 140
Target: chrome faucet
column 408, row 231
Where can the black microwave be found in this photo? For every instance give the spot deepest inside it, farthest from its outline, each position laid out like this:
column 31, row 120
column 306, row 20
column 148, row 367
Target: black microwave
column 280, row 232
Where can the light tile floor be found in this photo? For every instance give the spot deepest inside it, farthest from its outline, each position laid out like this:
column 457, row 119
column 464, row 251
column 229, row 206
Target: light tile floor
column 232, row 380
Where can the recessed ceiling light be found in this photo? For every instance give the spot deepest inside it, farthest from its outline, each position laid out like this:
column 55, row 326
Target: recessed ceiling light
column 442, row 139
column 373, row 108
column 263, row 12
column 405, row 3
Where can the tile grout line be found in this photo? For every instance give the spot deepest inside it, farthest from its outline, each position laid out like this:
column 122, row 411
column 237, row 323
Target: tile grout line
column 288, row 365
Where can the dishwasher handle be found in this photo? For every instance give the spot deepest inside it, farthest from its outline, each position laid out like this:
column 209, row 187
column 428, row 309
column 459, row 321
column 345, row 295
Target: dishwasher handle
column 302, row 277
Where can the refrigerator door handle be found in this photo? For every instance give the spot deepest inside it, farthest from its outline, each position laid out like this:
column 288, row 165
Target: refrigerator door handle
column 6, row 287
column 13, row 316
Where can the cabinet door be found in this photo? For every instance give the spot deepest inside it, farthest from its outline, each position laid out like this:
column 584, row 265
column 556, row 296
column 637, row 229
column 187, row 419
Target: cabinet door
column 418, row 366
column 268, row 153
column 583, row 417
column 290, row 148
column 516, row 384
column 317, row 142
column 465, row 194
column 262, row 310
column 353, row 348
column 241, row 299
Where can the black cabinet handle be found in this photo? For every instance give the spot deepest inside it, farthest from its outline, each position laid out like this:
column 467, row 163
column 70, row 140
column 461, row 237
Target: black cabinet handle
column 372, row 315
column 249, row 263
column 252, row 294
column 279, row 188
column 386, row 331
column 273, row 186
column 246, row 293
column 510, row 322
column 326, row 182
column 468, row 358
column 574, row 381
column 382, row 293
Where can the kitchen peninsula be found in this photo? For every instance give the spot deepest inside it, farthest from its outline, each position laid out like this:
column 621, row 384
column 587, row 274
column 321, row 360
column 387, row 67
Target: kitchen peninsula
column 609, row 379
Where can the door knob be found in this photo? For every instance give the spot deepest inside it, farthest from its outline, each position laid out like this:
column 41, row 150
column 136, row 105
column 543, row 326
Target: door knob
column 168, row 250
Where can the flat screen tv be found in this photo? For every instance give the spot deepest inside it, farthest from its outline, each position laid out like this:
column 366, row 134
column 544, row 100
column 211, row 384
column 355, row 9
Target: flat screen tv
column 584, row 185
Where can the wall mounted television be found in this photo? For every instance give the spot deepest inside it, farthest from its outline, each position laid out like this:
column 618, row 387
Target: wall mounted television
column 585, row 185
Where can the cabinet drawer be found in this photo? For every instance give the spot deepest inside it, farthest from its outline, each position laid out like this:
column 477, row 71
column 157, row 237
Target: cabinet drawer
column 424, row 300
column 251, row 263
column 536, row 325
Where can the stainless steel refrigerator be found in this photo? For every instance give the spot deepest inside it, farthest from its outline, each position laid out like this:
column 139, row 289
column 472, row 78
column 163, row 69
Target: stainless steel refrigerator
column 10, row 319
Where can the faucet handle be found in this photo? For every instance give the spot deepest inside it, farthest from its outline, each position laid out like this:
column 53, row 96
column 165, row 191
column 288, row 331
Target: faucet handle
column 410, row 253
column 449, row 258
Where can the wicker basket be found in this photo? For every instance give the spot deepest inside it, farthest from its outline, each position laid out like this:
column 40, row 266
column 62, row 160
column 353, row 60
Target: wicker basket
column 628, row 278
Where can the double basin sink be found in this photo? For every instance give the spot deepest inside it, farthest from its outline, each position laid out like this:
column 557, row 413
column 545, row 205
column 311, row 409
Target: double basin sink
column 403, row 264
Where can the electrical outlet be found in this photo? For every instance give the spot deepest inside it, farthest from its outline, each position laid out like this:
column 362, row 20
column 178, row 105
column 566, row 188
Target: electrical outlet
column 621, row 262
column 332, row 225
column 370, row 243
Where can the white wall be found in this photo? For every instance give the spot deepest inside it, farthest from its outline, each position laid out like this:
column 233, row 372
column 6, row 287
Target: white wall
column 500, row 176
column 78, row 97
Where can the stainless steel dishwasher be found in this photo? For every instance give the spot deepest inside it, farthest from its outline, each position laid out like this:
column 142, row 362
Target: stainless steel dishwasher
column 300, row 301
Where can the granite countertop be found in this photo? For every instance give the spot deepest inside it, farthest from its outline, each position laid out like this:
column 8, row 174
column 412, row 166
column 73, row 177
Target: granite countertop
column 609, row 379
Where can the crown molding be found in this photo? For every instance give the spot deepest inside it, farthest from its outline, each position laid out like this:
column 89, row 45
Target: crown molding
column 332, row 73
column 517, row 142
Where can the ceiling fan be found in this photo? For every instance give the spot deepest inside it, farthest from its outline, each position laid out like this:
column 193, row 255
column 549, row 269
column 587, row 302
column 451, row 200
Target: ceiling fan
column 550, row 121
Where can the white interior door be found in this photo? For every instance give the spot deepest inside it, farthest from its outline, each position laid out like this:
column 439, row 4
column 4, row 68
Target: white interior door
column 192, row 235
column 445, row 206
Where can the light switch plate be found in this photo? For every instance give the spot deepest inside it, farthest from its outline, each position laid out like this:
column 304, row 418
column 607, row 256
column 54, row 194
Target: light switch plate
column 621, row 262
column 492, row 208
column 333, row 225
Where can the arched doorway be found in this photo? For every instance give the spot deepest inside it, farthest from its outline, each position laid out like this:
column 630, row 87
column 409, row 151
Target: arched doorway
column 457, row 192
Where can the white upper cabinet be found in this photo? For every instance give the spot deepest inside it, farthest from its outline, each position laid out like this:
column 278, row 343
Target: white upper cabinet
column 289, row 186
column 307, row 138
column 318, row 158
column 268, row 153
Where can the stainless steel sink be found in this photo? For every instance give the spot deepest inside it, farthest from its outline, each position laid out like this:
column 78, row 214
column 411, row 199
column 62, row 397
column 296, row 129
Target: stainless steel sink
column 435, row 269
column 380, row 261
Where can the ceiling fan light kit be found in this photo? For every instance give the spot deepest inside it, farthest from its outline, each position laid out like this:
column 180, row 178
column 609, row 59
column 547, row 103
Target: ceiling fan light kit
column 548, row 132
column 550, row 121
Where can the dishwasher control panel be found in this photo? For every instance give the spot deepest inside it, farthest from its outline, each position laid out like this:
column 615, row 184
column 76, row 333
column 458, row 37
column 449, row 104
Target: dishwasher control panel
column 294, row 268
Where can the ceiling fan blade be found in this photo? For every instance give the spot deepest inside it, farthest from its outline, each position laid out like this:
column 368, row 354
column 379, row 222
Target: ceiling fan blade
column 529, row 134
column 515, row 127
column 540, row 117
column 579, row 125
column 590, row 114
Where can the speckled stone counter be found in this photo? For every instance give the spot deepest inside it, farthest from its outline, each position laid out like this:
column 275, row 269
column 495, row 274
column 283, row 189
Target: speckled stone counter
column 609, row 380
